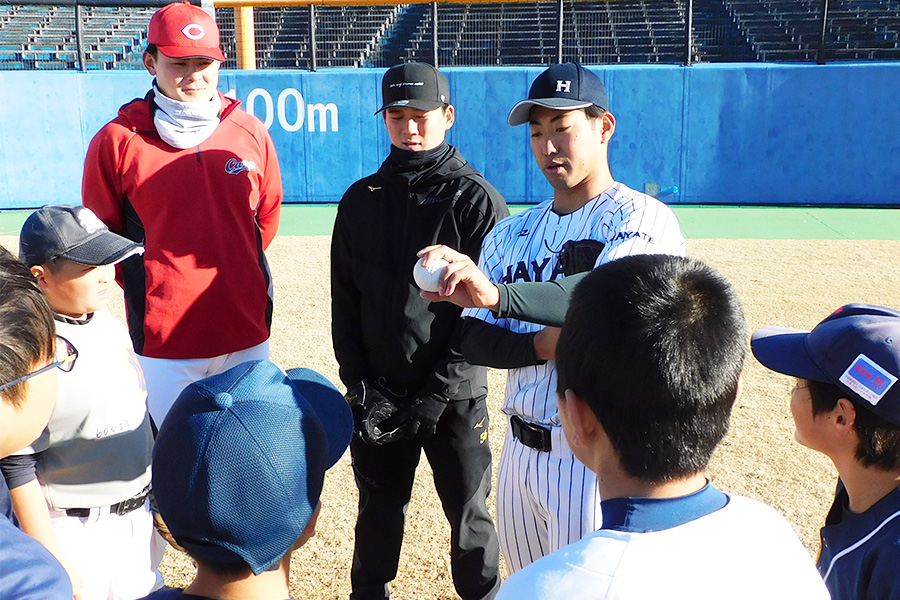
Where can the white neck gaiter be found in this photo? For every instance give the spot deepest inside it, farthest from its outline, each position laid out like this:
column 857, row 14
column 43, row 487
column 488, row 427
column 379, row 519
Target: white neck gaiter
column 185, row 124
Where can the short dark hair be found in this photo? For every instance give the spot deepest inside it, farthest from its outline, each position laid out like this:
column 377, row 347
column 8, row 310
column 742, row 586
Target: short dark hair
column 238, row 569
column 594, row 112
column 27, row 329
column 56, row 265
column 655, row 345
column 879, row 439
column 152, row 50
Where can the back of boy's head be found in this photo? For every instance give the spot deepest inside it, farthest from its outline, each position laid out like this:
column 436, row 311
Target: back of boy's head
column 72, row 233
column 27, row 330
column 240, row 460
column 655, row 345
column 853, row 353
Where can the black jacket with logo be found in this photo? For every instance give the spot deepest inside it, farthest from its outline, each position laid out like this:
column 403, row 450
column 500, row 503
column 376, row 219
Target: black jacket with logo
column 381, row 326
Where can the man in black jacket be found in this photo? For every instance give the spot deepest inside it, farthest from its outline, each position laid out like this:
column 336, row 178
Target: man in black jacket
column 408, row 384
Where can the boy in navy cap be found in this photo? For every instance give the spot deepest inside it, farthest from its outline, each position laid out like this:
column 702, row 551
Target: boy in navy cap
column 82, row 487
column 239, row 465
column 846, row 405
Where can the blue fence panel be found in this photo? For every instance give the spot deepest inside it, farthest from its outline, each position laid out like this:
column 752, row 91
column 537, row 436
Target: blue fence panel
column 740, row 134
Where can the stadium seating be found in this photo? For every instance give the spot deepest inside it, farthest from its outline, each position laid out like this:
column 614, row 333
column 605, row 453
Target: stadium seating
column 519, row 33
column 41, row 37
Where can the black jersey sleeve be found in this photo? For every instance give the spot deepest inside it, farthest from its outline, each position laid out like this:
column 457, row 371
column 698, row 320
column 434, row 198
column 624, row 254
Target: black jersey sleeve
column 538, row 302
column 19, row 469
column 493, row 346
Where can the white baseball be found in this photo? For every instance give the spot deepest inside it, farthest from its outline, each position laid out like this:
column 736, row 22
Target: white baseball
column 428, row 279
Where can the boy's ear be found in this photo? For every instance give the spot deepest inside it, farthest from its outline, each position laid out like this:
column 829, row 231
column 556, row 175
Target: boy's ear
column 310, row 530
column 739, row 388
column 449, row 117
column 40, row 273
column 845, row 417
column 584, row 421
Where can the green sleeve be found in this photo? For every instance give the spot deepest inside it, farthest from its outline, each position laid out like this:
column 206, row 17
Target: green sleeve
column 538, row 302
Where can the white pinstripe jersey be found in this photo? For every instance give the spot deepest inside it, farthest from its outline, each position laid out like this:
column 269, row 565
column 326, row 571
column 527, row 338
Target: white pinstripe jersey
column 524, row 247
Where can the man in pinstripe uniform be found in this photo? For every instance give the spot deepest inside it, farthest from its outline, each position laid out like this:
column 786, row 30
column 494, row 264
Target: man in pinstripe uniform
column 546, row 498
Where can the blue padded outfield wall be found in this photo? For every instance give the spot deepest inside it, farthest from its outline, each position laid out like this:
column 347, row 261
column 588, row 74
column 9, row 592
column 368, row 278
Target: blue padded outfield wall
column 736, row 134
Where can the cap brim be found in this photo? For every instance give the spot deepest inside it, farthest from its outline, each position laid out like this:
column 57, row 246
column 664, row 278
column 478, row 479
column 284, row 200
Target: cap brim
column 784, row 350
column 521, row 111
column 182, row 52
column 414, row 104
column 106, row 248
column 331, row 409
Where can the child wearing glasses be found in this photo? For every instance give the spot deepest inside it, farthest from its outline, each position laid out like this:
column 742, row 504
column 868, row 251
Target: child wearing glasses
column 27, row 395
column 81, row 489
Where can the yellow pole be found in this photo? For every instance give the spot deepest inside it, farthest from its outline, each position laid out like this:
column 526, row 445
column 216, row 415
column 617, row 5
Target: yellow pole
column 244, row 39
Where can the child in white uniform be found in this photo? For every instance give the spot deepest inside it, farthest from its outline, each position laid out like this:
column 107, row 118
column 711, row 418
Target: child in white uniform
column 81, row 489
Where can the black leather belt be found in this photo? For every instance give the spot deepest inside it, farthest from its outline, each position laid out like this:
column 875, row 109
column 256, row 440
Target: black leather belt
column 122, row 508
column 533, row 436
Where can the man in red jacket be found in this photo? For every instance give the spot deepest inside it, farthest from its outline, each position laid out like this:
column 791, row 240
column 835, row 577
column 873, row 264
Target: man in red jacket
column 196, row 179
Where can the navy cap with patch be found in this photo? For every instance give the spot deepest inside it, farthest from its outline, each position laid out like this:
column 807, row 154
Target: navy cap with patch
column 567, row 86
column 857, row 348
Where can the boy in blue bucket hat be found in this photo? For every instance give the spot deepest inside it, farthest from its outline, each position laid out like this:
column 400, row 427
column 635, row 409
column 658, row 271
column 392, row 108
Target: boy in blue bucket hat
column 846, row 405
column 238, row 468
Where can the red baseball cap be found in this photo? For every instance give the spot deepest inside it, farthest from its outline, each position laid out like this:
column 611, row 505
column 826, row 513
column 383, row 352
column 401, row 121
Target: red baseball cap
column 182, row 30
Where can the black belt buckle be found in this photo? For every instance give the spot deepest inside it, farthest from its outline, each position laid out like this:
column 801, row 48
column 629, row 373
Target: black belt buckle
column 122, row 508
column 532, row 435
column 126, row 506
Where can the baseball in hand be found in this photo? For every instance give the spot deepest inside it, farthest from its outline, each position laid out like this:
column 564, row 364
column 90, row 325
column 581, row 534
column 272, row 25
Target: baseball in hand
column 429, row 279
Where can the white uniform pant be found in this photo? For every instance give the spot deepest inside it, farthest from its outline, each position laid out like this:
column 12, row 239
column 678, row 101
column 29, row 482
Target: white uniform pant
column 167, row 377
column 117, row 556
column 545, row 500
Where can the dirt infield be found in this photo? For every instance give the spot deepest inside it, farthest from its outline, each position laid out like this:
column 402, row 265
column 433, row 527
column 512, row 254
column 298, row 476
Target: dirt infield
column 794, row 283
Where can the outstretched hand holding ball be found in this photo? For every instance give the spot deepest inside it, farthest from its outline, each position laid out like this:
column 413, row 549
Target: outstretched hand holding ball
column 457, row 279
column 429, row 278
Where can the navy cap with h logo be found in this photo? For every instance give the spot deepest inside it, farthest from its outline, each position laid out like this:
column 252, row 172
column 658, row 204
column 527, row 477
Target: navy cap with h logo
column 567, row 86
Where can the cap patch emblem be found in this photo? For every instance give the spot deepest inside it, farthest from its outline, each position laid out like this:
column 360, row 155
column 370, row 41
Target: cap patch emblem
column 867, row 379
column 193, row 31
column 563, row 86
column 89, row 221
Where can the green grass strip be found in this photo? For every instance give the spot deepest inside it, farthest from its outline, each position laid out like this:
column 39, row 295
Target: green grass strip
column 697, row 222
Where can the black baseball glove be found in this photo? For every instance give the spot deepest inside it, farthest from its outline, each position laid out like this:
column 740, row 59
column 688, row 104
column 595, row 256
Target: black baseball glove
column 425, row 412
column 578, row 256
column 381, row 417
column 356, row 396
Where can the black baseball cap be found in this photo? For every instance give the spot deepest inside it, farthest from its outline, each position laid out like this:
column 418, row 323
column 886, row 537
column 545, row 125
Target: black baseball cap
column 73, row 233
column 416, row 85
column 567, row 86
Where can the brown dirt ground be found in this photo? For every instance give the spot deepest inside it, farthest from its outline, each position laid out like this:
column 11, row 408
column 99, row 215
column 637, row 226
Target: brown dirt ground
column 791, row 283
